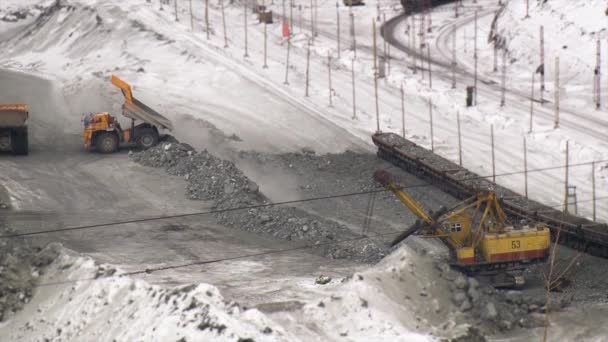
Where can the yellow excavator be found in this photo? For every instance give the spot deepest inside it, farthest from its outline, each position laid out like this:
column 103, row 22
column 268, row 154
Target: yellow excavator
column 479, row 235
column 103, row 133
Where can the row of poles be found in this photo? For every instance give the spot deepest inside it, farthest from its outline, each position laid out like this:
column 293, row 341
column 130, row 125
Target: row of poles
column 425, row 17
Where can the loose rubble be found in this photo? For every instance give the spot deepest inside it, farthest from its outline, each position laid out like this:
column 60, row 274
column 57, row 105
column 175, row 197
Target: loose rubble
column 222, row 182
column 21, row 264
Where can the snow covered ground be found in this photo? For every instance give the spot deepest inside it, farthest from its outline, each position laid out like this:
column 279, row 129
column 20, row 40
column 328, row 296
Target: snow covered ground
column 179, row 72
column 79, row 299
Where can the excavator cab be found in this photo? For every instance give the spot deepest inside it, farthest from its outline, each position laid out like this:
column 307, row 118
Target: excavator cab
column 103, row 132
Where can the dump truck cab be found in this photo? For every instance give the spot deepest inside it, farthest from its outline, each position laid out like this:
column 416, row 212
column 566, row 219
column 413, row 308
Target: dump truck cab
column 13, row 128
column 103, row 132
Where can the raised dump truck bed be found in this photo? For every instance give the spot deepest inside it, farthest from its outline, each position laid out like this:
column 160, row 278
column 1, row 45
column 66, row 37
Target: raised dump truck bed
column 576, row 232
column 13, row 128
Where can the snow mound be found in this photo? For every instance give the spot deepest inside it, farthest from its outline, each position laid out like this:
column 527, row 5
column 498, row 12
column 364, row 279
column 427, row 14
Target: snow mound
column 118, row 308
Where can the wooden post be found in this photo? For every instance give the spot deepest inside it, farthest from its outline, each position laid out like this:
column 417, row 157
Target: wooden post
column 495, row 49
column 566, row 182
column 593, row 187
column 385, row 50
column 316, row 24
column 402, row 111
column 191, row 17
column 459, row 139
column 428, row 54
column 265, row 66
column 245, row 14
column 338, row 29
column 307, row 68
column 556, row 92
column 352, row 61
column 493, row 159
column 431, row 122
column 454, row 55
column 329, row 73
column 376, row 76
column 525, row 169
column 532, row 103
column 475, row 58
column 224, row 24
column 176, row 18
column 207, row 29
column 286, row 82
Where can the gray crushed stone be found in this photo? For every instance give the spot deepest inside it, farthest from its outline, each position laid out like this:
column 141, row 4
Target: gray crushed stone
column 222, row 182
column 21, row 264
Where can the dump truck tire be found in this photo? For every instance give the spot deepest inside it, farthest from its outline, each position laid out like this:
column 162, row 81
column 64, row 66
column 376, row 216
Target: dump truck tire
column 146, row 138
column 106, row 142
column 19, row 142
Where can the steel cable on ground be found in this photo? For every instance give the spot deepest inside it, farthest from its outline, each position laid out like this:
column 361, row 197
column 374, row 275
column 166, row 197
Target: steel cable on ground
column 272, row 204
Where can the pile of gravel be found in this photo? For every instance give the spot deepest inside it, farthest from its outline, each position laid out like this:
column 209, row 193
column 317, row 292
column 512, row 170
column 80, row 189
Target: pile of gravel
column 21, row 264
column 213, row 179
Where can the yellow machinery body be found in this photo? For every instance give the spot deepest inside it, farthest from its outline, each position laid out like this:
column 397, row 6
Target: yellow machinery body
column 477, row 230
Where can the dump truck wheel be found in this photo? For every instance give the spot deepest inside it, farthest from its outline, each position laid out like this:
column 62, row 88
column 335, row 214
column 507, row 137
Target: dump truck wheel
column 19, row 141
column 106, row 142
column 146, row 138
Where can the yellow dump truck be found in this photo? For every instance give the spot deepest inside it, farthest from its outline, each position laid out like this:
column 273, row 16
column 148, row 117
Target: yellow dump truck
column 103, row 133
column 13, row 128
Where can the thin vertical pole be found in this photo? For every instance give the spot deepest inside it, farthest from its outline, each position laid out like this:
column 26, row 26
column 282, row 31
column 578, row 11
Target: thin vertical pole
column 525, row 168
column 175, row 3
column 542, row 62
column 352, row 61
column 459, row 140
column 414, row 42
column 454, row 55
column 431, row 122
column 598, row 76
column 265, row 66
column 566, row 181
column 224, row 24
column 316, row 25
column 376, row 77
column 503, row 90
column 385, row 50
column 300, row 17
column 338, row 29
column 207, row 29
column 191, row 17
column 245, row 14
column 329, row 73
column 493, row 159
column 495, row 49
column 527, row 9
column 290, row 17
column 307, row 68
column 475, row 58
column 532, row 103
column 402, row 111
column 556, row 92
column 352, row 33
column 286, row 82
column 312, row 19
column 428, row 55
column 593, row 187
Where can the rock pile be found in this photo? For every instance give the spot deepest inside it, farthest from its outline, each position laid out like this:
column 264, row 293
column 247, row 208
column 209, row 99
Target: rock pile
column 20, row 266
column 497, row 310
column 213, row 179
